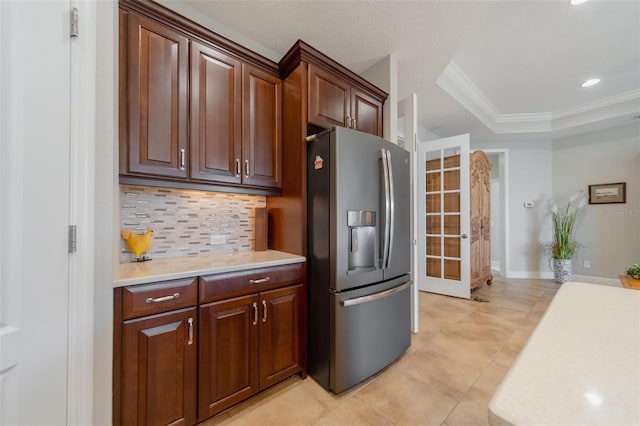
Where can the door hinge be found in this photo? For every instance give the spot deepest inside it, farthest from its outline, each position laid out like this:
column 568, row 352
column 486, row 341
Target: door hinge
column 415, row 143
column 74, row 22
column 415, row 242
column 72, row 238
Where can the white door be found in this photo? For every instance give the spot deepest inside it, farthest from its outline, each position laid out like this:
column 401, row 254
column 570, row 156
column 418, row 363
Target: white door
column 34, row 211
column 443, row 216
column 407, row 138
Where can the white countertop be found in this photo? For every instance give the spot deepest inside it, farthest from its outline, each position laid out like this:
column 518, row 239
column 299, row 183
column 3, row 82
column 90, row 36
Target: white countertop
column 581, row 365
column 170, row 268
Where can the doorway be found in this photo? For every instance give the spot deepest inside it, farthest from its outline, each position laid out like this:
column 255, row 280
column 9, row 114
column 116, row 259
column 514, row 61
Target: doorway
column 499, row 178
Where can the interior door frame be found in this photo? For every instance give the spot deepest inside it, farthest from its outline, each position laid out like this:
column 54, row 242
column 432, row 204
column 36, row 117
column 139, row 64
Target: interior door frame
column 410, row 143
column 504, row 179
column 80, row 370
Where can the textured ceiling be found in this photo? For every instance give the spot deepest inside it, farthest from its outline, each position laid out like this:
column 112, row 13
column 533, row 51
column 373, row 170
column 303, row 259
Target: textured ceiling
column 518, row 58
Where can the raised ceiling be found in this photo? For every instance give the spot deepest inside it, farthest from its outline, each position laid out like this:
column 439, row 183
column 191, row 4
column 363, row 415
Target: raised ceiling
column 499, row 69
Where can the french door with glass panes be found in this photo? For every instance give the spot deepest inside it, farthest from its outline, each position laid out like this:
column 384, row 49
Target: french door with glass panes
column 443, row 216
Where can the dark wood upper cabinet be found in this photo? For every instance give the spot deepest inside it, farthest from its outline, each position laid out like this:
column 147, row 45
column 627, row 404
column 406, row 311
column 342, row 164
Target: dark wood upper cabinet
column 329, row 100
column 318, row 93
column 156, row 74
column 333, row 101
column 366, row 112
column 216, row 85
column 262, row 132
column 197, row 111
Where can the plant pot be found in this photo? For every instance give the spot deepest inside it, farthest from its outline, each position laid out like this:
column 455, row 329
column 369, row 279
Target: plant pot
column 562, row 270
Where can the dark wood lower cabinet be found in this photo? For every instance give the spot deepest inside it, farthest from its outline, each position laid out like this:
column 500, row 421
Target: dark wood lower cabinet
column 187, row 349
column 159, row 369
column 228, row 354
column 248, row 344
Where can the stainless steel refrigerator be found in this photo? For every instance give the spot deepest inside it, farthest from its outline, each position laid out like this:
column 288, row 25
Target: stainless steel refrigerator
column 358, row 256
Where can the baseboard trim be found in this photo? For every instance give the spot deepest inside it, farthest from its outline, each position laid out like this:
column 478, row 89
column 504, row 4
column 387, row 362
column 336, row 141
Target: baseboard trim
column 547, row 275
column 597, row 280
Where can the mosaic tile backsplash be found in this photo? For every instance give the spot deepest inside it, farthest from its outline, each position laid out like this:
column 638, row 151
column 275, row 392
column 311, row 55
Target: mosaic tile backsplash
column 184, row 220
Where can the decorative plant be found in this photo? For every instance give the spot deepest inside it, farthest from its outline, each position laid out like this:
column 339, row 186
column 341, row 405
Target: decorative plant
column 563, row 245
column 633, row 271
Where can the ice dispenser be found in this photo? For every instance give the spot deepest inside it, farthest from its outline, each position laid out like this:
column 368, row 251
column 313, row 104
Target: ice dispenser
column 362, row 240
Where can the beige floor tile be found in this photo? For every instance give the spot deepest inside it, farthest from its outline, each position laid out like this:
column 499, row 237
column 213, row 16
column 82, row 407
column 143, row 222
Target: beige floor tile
column 353, row 412
column 408, row 400
column 453, row 377
column 472, row 410
column 491, row 378
column 474, row 353
column 291, row 405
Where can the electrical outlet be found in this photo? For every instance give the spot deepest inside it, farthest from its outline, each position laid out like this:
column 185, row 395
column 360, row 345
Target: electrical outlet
column 218, row 239
column 587, row 264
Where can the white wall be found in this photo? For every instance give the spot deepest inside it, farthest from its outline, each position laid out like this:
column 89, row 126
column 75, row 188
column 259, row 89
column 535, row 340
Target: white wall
column 384, row 74
column 610, row 233
column 529, row 175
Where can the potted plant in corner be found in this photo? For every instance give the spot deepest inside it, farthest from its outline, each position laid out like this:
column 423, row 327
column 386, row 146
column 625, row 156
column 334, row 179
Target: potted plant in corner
column 564, row 247
column 633, row 276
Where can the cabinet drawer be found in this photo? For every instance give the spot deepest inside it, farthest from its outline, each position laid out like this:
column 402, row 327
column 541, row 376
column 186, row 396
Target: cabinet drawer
column 223, row 286
column 147, row 299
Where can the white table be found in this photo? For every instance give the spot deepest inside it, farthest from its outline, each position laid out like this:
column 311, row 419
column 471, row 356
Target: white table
column 581, row 365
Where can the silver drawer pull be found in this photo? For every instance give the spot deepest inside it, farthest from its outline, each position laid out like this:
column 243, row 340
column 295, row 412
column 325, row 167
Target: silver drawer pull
column 190, row 321
column 260, row 280
column 163, row 298
column 376, row 296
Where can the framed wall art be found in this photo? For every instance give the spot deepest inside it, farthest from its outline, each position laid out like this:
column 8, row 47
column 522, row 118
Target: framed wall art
column 608, row 193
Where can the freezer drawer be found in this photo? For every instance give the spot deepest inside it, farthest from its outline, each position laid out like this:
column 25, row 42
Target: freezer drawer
column 371, row 329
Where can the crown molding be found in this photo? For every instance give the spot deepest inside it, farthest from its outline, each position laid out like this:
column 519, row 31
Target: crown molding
column 459, row 86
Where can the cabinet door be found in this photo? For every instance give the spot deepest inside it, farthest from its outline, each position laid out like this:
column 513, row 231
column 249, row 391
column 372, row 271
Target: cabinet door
column 366, row 112
column 329, row 98
column 215, row 115
column 157, row 68
column 280, row 334
column 159, row 369
column 262, row 132
column 228, row 353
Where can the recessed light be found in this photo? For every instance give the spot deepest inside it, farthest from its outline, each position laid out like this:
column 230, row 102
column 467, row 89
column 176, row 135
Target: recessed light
column 576, row 2
column 590, row 82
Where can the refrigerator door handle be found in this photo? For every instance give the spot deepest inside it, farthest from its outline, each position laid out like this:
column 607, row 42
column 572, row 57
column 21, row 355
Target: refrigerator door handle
column 393, row 208
column 375, row 296
column 387, row 209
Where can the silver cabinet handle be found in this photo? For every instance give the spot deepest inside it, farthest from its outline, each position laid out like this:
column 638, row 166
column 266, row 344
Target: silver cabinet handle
column 237, row 167
column 264, row 311
column 246, row 168
column 260, row 280
column 348, row 120
column 255, row 313
column 190, row 321
column 163, row 298
column 353, row 123
column 182, row 158
column 376, row 296
column 464, row 236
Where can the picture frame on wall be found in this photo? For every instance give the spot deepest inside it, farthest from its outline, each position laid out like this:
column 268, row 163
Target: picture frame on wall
column 608, row 193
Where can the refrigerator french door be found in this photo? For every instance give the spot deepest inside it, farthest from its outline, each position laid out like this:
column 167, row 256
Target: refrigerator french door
column 358, row 256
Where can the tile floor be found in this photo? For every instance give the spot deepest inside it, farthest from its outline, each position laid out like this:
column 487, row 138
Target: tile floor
column 447, row 376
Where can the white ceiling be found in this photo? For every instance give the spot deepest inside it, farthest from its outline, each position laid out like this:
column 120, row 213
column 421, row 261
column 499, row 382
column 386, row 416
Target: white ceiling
column 495, row 69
